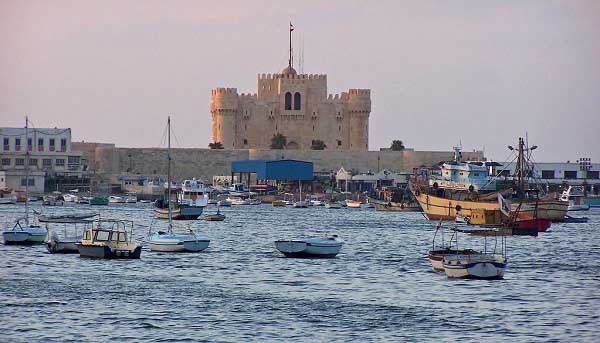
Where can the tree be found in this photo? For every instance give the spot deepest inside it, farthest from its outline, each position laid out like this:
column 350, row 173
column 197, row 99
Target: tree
column 397, row 145
column 215, row 145
column 278, row 141
column 318, row 145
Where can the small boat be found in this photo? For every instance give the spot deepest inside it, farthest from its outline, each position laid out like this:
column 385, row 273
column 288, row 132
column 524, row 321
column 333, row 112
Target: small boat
column 224, row 203
column 109, row 239
column 438, row 252
column 279, row 203
column 333, row 205
column 477, row 265
column 114, row 199
column 8, row 200
column 217, row 217
column 177, row 242
column 24, row 234
column 99, row 201
column 300, row 203
column 56, row 199
column 317, row 247
column 131, row 198
column 67, row 242
column 353, row 204
column 65, row 218
column 238, row 201
column 574, row 197
column 569, row 219
column 84, row 200
column 145, row 201
column 71, row 198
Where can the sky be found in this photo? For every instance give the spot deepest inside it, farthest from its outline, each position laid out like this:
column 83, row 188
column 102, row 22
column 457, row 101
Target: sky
column 441, row 73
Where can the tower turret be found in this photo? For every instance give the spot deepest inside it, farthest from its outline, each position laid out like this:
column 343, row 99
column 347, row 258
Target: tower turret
column 223, row 109
column 359, row 109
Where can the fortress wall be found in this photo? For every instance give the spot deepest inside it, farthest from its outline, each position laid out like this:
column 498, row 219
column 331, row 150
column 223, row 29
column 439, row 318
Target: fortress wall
column 205, row 163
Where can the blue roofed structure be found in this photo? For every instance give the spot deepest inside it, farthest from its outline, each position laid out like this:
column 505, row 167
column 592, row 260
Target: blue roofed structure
column 276, row 170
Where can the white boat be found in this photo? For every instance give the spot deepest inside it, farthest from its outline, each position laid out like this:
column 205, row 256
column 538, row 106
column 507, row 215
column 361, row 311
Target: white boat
column 224, row 203
column 446, row 248
column 54, row 199
column 573, row 195
column 189, row 202
column 333, row 205
column 300, row 203
column 8, row 199
column 26, row 233
column 65, row 241
column 71, row 198
column 145, row 201
column 238, row 201
column 170, row 241
column 477, row 265
column 321, row 247
column 114, row 199
column 353, row 204
column 109, row 239
column 84, row 200
column 131, row 198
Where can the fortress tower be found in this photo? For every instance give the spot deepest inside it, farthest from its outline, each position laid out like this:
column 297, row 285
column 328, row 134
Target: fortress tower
column 294, row 105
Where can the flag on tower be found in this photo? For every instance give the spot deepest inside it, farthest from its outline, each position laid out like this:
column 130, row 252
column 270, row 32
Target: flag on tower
column 291, row 27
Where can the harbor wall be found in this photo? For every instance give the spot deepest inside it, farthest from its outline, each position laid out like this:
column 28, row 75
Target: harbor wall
column 108, row 160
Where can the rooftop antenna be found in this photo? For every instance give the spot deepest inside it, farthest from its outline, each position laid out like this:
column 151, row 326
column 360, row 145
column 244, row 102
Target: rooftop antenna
column 291, row 59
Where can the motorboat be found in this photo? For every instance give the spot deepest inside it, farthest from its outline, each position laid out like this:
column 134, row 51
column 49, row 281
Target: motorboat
column 574, row 196
column 217, row 217
column 84, row 200
column 170, row 241
column 131, row 198
column 145, row 201
column 54, row 199
column 238, row 201
column 316, row 247
column 224, row 203
column 477, row 265
column 279, row 203
column 65, row 241
column 187, row 203
column 71, row 198
column 114, row 199
column 353, row 203
column 25, row 233
column 439, row 251
column 333, row 205
column 109, row 239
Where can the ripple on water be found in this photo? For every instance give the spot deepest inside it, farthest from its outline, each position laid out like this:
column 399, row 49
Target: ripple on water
column 381, row 287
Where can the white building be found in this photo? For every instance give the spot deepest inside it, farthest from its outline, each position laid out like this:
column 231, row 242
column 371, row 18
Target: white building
column 50, row 155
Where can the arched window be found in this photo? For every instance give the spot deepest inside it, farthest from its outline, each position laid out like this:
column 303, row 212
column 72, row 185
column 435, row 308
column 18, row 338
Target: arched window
column 297, row 101
column 288, row 101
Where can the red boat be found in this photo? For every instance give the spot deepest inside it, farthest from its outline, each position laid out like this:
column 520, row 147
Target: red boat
column 541, row 225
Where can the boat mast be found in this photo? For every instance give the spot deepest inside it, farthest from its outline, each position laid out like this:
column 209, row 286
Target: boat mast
column 169, row 173
column 521, row 162
column 27, row 171
column 300, row 187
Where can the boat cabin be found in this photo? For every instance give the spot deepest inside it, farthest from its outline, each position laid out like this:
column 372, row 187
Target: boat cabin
column 107, row 231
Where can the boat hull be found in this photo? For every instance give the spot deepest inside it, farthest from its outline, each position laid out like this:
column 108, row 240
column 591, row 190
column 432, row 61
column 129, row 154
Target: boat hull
column 438, row 208
column 394, row 206
column 436, row 257
column 464, row 268
column 24, row 237
column 301, row 249
column 179, row 213
column 65, row 247
column 105, row 252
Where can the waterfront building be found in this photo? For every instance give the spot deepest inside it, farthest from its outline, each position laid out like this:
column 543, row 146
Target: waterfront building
column 51, row 159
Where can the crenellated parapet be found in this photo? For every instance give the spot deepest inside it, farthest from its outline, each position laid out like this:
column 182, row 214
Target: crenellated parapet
column 292, row 76
column 359, row 101
column 224, row 101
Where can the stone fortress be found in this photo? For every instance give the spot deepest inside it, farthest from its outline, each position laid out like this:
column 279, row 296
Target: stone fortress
column 294, row 105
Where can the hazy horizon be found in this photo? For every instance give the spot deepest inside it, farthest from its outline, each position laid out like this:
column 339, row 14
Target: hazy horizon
column 440, row 73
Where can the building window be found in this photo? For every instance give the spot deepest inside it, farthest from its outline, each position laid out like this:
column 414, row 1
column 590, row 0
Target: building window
column 29, row 144
column 288, row 101
column 60, row 162
column 31, row 182
column 6, row 145
column 245, row 127
column 47, row 162
column 313, row 128
column 340, row 128
column 51, row 144
column 339, row 142
column 19, row 162
column 592, row 174
column 63, row 144
column 33, row 162
column 547, row 174
column 17, row 144
column 73, row 159
column 245, row 141
column 5, row 162
column 40, row 144
column 570, row 174
column 297, row 101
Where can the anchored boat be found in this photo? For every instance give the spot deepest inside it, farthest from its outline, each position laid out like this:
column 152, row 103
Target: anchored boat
column 109, row 239
column 319, row 247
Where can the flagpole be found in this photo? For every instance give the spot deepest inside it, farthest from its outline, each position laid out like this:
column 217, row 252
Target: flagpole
column 290, row 59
